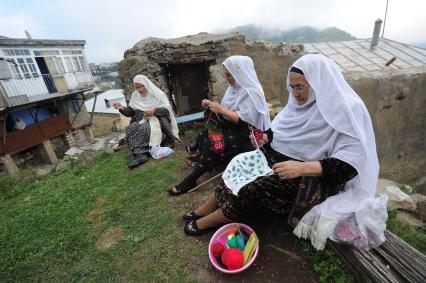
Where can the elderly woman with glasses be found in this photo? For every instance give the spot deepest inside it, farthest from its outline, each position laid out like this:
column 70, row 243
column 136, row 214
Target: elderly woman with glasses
column 323, row 165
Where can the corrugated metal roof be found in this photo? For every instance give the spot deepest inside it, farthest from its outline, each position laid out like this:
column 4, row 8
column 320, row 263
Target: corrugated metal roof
column 355, row 55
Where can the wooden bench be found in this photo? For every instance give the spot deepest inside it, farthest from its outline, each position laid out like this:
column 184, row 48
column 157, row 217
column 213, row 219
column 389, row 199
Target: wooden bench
column 393, row 261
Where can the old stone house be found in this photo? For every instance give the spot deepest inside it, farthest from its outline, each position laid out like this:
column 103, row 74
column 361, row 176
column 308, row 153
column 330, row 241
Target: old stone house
column 189, row 69
column 42, row 87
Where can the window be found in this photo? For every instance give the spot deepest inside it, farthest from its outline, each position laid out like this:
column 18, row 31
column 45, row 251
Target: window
column 69, row 64
column 24, row 68
column 32, row 67
column 54, row 64
column 59, row 64
column 72, row 52
column 15, row 71
column 16, row 52
column 46, row 52
column 77, row 64
column 82, row 62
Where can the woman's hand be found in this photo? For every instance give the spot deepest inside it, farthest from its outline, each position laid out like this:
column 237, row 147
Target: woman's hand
column 150, row 112
column 215, row 107
column 289, row 169
column 260, row 143
column 118, row 106
column 205, row 103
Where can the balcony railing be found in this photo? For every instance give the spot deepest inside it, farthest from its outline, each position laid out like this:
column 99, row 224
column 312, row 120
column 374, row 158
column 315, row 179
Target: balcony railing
column 24, row 90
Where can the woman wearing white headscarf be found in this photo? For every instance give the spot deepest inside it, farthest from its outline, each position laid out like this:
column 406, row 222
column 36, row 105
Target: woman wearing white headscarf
column 153, row 122
column 323, row 155
column 242, row 107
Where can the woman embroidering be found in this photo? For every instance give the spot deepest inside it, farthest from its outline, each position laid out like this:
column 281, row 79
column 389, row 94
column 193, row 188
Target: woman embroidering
column 321, row 165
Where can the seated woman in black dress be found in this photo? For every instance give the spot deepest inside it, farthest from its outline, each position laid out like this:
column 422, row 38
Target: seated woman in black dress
column 243, row 106
column 322, row 151
column 153, row 122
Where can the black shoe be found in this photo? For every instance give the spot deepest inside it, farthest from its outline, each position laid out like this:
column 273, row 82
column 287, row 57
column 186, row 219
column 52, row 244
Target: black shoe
column 138, row 160
column 191, row 216
column 175, row 192
column 192, row 229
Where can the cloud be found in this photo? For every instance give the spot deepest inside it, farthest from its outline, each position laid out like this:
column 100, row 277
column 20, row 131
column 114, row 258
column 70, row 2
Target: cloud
column 111, row 27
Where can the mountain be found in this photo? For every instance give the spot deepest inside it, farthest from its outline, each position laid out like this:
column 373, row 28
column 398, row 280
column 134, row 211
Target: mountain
column 296, row 35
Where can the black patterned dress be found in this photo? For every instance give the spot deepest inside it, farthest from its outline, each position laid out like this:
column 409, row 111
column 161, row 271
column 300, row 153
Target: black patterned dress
column 138, row 135
column 236, row 137
column 293, row 198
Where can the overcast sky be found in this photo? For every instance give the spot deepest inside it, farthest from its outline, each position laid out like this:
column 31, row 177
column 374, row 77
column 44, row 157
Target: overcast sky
column 111, row 27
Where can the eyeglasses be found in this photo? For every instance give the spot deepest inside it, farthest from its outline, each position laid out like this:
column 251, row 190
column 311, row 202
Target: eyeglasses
column 299, row 87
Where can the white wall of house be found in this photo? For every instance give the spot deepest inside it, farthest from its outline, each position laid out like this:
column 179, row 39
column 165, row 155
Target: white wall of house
column 67, row 69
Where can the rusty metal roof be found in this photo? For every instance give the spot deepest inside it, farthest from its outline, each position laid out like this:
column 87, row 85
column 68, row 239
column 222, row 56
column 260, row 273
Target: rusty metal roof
column 355, row 55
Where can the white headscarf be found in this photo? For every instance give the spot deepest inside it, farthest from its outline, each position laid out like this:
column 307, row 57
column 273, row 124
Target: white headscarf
column 334, row 122
column 235, row 98
column 153, row 99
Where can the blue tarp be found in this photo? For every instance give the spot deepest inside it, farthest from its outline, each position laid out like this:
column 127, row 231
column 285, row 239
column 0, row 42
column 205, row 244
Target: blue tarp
column 190, row 117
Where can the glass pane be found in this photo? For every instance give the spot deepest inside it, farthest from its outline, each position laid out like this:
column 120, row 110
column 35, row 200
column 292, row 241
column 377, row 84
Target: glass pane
column 59, row 64
column 26, row 52
column 82, row 62
column 29, row 60
column 76, row 63
column 21, row 61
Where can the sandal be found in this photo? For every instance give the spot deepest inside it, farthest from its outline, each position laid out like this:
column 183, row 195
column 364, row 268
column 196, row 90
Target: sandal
column 191, row 216
column 192, row 229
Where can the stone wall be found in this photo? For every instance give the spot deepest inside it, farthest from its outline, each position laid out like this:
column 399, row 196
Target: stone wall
column 103, row 124
column 396, row 100
column 149, row 55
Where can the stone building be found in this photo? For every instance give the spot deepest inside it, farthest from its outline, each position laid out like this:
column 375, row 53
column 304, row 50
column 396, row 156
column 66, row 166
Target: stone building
column 42, row 88
column 390, row 77
column 189, row 68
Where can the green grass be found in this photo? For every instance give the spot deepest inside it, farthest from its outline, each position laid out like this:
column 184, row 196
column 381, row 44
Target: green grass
column 415, row 236
column 326, row 264
column 51, row 227
column 56, row 228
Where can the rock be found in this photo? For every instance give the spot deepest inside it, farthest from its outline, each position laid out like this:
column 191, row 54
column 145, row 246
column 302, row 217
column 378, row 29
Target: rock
column 420, row 201
column 110, row 151
column 408, row 218
column 44, row 170
column 73, row 151
column 397, row 198
column 87, row 157
column 62, row 164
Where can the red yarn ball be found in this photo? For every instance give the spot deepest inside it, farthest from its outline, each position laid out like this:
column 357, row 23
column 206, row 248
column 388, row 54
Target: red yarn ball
column 217, row 249
column 233, row 259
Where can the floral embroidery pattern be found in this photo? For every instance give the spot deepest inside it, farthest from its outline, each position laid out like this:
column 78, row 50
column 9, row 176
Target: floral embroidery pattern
column 245, row 168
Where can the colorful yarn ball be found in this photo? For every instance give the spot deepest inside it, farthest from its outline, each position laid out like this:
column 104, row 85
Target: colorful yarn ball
column 232, row 243
column 217, row 249
column 241, row 242
column 233, row 259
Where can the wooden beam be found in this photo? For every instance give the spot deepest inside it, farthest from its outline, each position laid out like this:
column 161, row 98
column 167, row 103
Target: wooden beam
column 393, row 261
